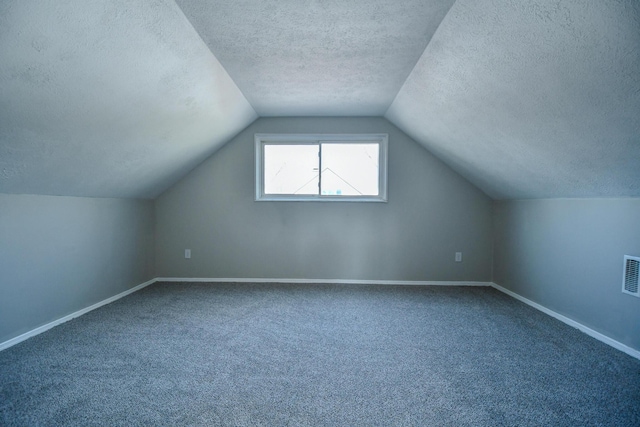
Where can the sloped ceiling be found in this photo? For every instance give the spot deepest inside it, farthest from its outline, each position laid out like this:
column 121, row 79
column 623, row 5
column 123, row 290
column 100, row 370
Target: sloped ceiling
column 532, row 99
column 108, row 98
column 121, row 98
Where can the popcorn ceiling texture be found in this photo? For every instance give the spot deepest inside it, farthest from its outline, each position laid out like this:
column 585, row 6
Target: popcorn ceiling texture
column 532, row 99
column 108, row 99
column 317, row 58
column 526, row 99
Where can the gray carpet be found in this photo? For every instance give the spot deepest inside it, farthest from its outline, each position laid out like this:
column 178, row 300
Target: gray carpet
column 317, row 355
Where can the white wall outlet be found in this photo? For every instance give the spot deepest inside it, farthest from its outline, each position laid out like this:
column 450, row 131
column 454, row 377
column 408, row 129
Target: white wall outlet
column 458, row 256
column 187, row 253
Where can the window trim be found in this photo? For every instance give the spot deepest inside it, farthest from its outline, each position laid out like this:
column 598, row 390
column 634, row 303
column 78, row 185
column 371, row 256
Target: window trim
column 262, row 139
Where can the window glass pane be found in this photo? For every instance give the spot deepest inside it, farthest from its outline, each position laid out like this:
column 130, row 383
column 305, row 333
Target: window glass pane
column 350, row 169
column 290, row 169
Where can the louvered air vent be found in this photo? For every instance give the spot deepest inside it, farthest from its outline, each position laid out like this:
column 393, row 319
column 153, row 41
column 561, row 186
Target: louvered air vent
column 631, row 277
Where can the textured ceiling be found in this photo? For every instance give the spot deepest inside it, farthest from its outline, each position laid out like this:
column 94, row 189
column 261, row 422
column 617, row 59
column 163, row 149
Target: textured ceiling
column 317, row 57
column 532, row 99
column 121, row 98
column 108, row 98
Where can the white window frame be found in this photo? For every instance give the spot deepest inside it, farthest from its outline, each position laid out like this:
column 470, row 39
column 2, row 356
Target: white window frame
column 262, row 139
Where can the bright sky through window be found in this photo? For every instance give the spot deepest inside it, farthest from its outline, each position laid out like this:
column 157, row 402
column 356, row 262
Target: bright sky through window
column 349, row 169
column 321, row 167
column 291, row 169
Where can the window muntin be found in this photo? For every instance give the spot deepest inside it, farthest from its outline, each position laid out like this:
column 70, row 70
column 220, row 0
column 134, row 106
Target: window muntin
column 306, row 167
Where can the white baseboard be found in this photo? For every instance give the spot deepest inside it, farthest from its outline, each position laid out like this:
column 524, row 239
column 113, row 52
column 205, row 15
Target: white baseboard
column 321, row 281
column 597, row 335
column 43, row 328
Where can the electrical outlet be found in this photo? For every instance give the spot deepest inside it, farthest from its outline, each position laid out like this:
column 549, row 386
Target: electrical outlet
column 187, row 253
column 458, row 256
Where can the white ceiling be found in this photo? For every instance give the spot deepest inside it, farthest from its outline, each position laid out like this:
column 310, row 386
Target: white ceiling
column 108, row 98
column 121, row 98
column 532, row 99
column 317, row 57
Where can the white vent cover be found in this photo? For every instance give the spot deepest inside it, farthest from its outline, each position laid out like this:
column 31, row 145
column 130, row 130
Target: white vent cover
column 631, row 277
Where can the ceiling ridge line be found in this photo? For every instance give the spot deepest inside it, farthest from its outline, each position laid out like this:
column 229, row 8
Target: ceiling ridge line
column 418, row 60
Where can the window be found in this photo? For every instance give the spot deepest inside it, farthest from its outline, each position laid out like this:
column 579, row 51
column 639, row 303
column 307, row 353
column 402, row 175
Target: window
column 321, row 167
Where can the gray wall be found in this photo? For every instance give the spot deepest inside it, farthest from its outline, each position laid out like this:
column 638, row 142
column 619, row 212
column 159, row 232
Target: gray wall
column 432, row 212
column 567, row 255
column 59, row 255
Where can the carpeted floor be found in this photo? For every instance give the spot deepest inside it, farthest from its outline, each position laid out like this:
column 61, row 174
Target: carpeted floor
column 317, row 355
